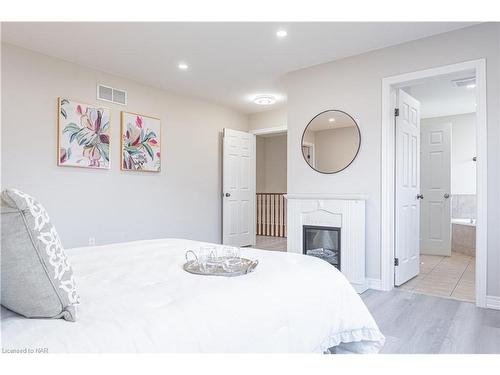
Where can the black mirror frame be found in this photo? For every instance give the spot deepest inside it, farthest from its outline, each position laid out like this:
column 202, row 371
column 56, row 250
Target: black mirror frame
column 304, row 132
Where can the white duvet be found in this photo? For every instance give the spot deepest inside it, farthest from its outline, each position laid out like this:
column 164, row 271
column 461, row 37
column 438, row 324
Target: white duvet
column 135, row 297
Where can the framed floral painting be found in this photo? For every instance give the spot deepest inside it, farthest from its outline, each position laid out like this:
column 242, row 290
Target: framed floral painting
column 83, row 135
column 140, row 140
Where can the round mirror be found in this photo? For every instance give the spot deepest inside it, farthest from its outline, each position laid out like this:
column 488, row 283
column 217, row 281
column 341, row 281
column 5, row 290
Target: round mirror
column 331, row 141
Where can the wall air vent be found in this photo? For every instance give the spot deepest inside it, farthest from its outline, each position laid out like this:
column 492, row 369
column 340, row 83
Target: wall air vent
column 110, row 94
column 469, row 82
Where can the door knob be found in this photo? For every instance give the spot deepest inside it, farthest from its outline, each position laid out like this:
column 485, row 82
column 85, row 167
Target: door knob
column 446, row 195
column 420, row 196
column 227, row 195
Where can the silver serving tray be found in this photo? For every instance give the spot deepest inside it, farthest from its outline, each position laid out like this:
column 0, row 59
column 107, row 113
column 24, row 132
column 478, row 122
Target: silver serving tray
column 215, row 268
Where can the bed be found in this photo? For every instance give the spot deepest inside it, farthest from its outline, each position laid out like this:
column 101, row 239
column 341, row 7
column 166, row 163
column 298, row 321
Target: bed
column 135, row 297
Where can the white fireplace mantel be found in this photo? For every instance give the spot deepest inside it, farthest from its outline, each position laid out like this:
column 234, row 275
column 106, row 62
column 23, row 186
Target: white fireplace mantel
column 333, row 210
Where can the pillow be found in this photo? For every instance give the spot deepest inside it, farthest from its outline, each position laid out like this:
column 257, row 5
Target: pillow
column 36, row 278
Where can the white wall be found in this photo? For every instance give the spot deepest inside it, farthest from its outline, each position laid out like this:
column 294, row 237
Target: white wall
column 271, row 164
column 354, row 85
column 268, row 119
column 463, row 149
column 183, row 200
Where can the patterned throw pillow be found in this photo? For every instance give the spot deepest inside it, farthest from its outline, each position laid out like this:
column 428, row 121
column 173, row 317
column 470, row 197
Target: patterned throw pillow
column 36, row 278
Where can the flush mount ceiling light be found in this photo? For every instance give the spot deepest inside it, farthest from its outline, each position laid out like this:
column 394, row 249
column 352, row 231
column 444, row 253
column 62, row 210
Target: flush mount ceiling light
column 281, row 33
column 183, row 66
column 264, row 100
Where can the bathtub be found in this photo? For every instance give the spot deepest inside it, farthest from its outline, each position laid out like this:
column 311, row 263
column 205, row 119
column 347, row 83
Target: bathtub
column 469, row 222
column 463, row 236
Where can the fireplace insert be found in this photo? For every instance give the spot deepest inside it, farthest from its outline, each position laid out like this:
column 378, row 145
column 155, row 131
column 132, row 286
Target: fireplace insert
column 322, row 242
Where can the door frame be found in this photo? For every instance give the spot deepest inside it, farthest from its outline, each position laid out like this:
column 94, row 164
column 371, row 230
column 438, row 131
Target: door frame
column 273, row 130
column 387, row 242
column 283, row 129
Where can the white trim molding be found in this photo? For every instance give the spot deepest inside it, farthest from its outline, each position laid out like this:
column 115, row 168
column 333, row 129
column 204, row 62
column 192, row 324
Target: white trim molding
column 375, row 284
column 389, row 85
column 493, row 302
column 274, row 130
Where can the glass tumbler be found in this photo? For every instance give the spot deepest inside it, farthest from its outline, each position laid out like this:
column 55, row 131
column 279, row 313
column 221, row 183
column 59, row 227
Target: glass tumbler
column 231, row 259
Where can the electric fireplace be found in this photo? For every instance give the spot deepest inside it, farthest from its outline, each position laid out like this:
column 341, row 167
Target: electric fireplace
column 322, row 242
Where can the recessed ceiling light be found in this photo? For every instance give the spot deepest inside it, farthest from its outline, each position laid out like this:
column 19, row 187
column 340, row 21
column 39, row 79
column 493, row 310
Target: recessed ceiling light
column 281, row 33
column 183, row 66
column 471, row 86
column 264, row 100
column 331, row 119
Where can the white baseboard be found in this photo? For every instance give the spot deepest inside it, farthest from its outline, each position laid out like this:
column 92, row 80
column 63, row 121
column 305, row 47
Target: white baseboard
column 360, row 288
column 375, row 284
column 493, row 302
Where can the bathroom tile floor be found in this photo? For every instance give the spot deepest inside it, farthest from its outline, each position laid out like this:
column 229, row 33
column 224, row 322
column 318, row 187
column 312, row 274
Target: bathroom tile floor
column 451, row 277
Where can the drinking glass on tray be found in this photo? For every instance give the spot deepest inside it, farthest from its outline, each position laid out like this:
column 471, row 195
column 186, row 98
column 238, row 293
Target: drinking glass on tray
column 231, row 259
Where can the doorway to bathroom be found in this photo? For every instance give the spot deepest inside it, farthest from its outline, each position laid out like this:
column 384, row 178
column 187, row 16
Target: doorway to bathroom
column 436, row 176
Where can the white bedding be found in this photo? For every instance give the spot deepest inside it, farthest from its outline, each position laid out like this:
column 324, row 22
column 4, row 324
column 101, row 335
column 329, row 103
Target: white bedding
column 135, row 297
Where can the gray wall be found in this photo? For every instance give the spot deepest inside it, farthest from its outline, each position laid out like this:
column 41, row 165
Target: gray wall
column 271, row 164
column 335, row 148
column 183, row 200
column 354, row 85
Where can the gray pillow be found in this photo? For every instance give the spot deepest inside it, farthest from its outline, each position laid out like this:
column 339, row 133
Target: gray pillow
column 36, row 278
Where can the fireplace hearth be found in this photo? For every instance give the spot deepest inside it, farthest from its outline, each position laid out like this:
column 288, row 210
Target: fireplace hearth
column 322, row 242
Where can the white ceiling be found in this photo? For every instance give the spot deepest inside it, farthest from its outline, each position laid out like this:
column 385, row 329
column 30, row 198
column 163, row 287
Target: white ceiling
column 228, row 62
column 439, row 97
column 322, row 122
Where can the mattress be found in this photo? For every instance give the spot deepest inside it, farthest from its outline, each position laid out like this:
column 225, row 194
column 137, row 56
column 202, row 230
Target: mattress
column 136, row 297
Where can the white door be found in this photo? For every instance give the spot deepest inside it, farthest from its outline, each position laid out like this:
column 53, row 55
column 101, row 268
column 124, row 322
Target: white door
column 435, row 181
column 238, row 188
column 407, row 204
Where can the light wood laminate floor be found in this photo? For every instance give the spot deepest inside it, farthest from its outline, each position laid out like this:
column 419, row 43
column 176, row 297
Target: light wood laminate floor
column 440, row 276
column 417, row 323
column 271, row 243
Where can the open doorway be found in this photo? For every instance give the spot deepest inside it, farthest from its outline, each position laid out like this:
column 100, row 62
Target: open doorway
column 446, row 106
column 271, row 188
column 400, row 235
